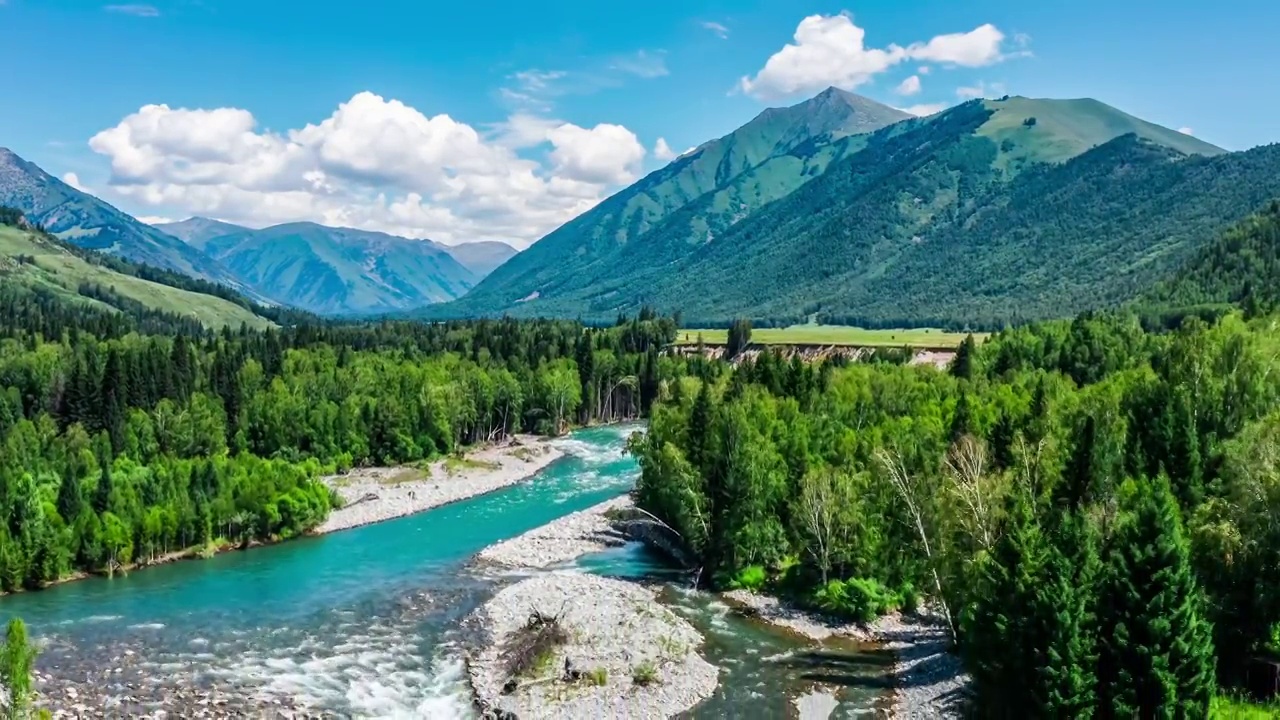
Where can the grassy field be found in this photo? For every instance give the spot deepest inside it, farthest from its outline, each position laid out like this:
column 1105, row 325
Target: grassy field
column 834, row 335
column 1228, row 708
column 59, row 270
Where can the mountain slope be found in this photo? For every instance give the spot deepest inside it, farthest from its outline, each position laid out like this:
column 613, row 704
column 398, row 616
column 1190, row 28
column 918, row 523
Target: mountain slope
column 481, row 258
column 946, row 219
column 341, row 271
column 91, row 223
column 37, row 261
column 198, row 231
column 1242, row 266
column 779, row 150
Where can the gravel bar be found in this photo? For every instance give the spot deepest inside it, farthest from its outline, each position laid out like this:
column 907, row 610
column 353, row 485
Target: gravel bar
column 375, row 494
column 614, row 628
column 572, row 536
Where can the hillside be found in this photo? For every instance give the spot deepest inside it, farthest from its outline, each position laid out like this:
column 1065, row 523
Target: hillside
column 41, row 263
column 993, row 210
column 85, row 220
column 709, row 189
column 1242, row 267
column 337, row 271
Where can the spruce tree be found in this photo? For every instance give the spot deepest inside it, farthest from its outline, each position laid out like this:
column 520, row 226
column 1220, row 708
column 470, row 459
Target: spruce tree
column 962, row 364
column 70, row 497
column 1003, row 642
column 1155, row 647
column 1067, row 682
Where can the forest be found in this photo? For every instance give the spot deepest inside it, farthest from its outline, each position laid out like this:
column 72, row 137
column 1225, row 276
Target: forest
column 131, row 434
column 1091, row 507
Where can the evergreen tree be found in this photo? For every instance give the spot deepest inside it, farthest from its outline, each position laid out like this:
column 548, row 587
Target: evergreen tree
column 699, row 442
column 1002, row 441
column 1067, row 681
column 739, row 338
column 962, row 421
column 70, row 497
column 17, row 658
column 1155, row 647
column 962, row 364
column 102, row 493
column 1004, row 642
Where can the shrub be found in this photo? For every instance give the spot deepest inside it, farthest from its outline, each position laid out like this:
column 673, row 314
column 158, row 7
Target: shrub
column 751, row 577
column 644, row 674
column 862, row 599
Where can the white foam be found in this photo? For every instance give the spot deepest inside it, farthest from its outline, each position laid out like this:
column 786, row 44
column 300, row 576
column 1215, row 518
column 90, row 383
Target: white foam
column 147, row 626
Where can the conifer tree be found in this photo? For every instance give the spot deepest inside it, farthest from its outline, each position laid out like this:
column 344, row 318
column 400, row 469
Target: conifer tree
column 1067, row 681
column 1003, row 641
column 1155, row 647
column 962, row 364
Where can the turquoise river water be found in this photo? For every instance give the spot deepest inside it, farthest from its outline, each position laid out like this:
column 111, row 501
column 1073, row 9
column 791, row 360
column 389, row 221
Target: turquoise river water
column 365, row 622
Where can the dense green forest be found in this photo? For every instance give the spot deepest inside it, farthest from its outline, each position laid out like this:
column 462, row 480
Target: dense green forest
column 131, row 433
column 1091, row 506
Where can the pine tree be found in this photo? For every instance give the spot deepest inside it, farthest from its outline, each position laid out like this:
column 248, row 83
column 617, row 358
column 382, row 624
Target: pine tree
column 70, row 497
column 1155, row 647
column 102, row 493
column 700, row 429
column 962, row 420
column 1002, row 440
column 1003, row 641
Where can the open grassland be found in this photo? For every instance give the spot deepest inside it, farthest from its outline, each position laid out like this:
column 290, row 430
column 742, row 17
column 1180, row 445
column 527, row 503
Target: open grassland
column 57, row 269
column 834, row 335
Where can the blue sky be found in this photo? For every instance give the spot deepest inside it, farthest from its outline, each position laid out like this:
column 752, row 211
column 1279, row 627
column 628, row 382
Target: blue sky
column 499, row 120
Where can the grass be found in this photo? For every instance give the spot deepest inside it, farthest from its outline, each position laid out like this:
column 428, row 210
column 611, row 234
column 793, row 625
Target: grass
column 644, row 674
column 1232, row 708
column 597, row 676
column 60, row 271
column 455, row 464
column 834, row 335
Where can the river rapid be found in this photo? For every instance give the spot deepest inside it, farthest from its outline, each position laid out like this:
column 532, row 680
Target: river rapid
column 367, row 622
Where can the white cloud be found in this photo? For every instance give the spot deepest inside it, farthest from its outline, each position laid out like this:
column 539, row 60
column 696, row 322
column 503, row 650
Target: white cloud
column 978, row 47
column 642, row 64
column 924, row 70
column 924, row 109
column 663, row 151
column 981, row 90
column 374, row 163
column 154, row 219
column 73, row 180
column 910, row 86
column 831, row 50
column 135, row 10
column 719, row 29
column 1186, row 131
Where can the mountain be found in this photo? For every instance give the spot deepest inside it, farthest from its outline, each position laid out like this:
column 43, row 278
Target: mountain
column 42, row 263
column 714, row 186
column 198, row 231
column 339, row 271
column 90, row 223
column 992, row 210
column 481, row 258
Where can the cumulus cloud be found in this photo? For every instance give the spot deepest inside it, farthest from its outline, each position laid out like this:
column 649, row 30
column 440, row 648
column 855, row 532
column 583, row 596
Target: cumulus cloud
column 374, row 163
column 924, row 110
column 73, row 179
column 135, row 10
column 154, row 219
column 1186, row 131
column 910, row 86
column 663, row 151
column 831, row 50
column 981, row 90
column 718, row 28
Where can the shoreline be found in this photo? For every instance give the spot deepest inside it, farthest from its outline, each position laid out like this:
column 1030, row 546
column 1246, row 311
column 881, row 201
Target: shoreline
column 373, row 495
column 928, row 680
column 562, row 540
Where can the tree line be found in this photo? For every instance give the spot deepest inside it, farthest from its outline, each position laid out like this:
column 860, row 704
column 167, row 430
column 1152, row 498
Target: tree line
column 128, row 436
column 1089, row 505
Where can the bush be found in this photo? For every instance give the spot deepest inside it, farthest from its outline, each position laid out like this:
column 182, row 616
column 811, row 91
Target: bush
column 862, row 599
column 644, row 674
column 750, row 578
column 597, row 676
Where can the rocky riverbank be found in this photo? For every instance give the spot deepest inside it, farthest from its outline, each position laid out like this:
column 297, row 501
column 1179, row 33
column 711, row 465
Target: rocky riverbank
column 619, row 653
column 376, row 494
column 929, row 681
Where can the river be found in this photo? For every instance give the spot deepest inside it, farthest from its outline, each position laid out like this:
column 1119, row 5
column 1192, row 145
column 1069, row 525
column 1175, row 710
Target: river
column 365, row 622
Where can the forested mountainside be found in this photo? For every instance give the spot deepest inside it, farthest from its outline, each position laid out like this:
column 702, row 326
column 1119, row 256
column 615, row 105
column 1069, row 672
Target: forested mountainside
column 86, row 221
column 863, row 217
column 336, row 271
column 37, row 268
